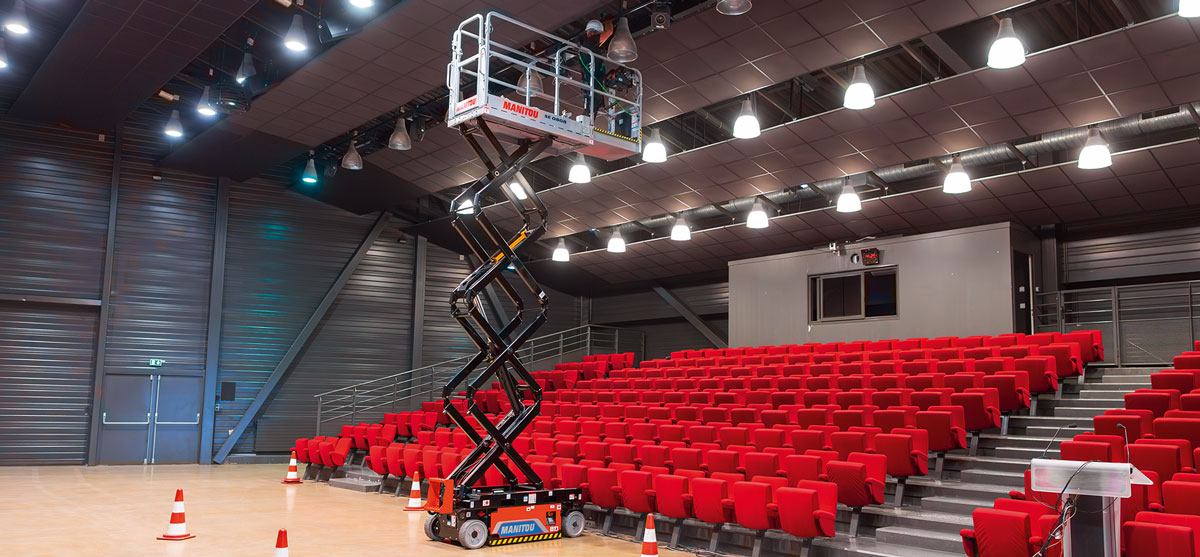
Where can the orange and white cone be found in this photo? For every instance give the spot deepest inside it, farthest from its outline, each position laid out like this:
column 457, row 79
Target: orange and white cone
column 650, row 539
column 293, row 475
column 281, row 544
column 414, row 494
column 177, row 529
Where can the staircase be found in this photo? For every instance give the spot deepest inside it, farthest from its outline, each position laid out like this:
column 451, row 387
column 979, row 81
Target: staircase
column 934, row 511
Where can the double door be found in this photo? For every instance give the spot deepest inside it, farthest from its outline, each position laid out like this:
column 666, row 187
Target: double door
column 150, row 419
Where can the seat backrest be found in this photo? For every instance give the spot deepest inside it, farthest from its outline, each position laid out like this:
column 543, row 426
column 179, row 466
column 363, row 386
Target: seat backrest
column 708, row 495
column 999, row 532
column 634, row 487
column 750, row 501
column 1178, row 428
column 669, row 493
column 1147, row 539
column 1181, row 497
column 1185, row 520
column 601, row 482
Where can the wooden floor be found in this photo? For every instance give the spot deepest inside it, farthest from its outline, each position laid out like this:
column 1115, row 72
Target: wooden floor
column 231, row 509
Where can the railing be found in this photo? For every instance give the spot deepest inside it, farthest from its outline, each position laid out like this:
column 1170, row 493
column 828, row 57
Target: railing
column 1144, row 324
column 406, row 390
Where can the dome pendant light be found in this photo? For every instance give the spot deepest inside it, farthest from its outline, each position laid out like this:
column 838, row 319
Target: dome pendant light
column 17, row 22
column 956, row 180
column 621, row 48
column 560, row 252
column 580, row 173
column 310, row 170
column 1007, row 50
column 859, row 94
column 205, row 107
column 616, row 244
column 757, row 217
column 681, row 232
column 296, row 40
column 530, row 83
column 1189, row 8
column 733, row 7
column 1095, row 152
column 352, row 160
column 362, row 4
column 174, row 127
column 848, row 201
column 400, row 140
column 246, row 70
column 3, row 55
column 746, row 125
column 654, row 150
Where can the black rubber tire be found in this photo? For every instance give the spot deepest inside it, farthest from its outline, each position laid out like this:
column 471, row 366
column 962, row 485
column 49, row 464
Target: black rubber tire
column 432, row 525
column 573, row 524
column 473, row 534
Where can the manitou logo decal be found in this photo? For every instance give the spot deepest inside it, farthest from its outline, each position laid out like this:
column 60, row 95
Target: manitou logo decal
column 466, row 103
column 521, row 109
column 519, row 528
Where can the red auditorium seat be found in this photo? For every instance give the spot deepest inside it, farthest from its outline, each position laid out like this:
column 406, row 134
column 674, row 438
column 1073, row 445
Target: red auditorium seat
column 808, row 509
column 1184, row 520
column 1146, row 539
column 1179, row 497
column 945, row 426
column 860, row 480
column 635, row 490
column 710, row 503
column 907, row 452
column 599, row 489
column 1000, row 534
column 1182, row 381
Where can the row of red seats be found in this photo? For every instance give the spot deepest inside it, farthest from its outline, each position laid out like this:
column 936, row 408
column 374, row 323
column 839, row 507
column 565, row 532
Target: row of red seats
column 1155, row 434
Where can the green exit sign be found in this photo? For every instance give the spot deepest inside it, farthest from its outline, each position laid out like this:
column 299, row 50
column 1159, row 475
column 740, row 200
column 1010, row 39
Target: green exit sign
column 156, row 363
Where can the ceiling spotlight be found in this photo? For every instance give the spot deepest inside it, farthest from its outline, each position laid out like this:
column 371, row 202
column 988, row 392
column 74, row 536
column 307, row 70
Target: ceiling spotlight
column 1007, row 50
column 859, row 95
column 205, row 106
column 580, row 173
column 757, row 217
column 16, row 22
column 848, row 201
column 621, row 47
column 296, row 40
column 1189, row 8
column 3, row 55
column 956, row 180
column 310, row 170
column 174, row 127
column 681, row 232
column 246, row 70
column 466, row 207
column 1095, row 152
column 616, row 244
column 733, row 7
column 400, row 140
column 352, row 160
column 746, row 125
column 362, row 4
column 560, row 252
column 518, row 190
column 530, row 82
column 654, row 150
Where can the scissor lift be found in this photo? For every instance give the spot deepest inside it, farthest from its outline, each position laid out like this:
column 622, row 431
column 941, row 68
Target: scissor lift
column 536, row 124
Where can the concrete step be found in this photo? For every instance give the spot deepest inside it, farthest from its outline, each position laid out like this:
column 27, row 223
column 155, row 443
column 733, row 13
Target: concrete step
column 1012, row 480
column 921, row 539
column 912, row 517
column 354, row 484
column 1114, row 371
column 1091, row 394
column 1042, row 421
column 995, row 440
column 1083, row 426
column 919, row 488
column 1024, row 453
column 1126, row 386
column 1079, row 412
column 954, row 504
column 1108, row 402
column 843, row 546
column 964, row 462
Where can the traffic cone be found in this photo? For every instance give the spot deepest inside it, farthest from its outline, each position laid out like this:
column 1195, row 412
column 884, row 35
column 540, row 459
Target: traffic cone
column 281, row 544
column 650, row 539
column 293, row 476
column 177, row 529
column 414, row 494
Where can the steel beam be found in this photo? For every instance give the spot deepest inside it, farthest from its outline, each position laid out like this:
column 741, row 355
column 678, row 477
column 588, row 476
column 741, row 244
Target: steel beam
column 420, row 265
column 691, row 317
column 105, row 302
column 285, row 364
column 216, row 302
column 54, row 300
column 946, row 53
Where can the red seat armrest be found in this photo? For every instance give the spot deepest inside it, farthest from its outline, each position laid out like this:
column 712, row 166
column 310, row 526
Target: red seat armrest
column 1158, row 508
column 968, row 539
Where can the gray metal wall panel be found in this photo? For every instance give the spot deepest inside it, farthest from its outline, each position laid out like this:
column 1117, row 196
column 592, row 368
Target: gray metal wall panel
column 54, row 187
column 365, row 335
column 711, row 299
column 444, row 339
column 162, row 264
column 47, row 355
column 664, row 338
column 54, row 190
column 1148, row 254
column 284, row 251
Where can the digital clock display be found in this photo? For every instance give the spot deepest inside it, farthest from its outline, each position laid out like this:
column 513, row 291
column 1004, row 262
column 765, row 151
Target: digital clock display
column 870, row 256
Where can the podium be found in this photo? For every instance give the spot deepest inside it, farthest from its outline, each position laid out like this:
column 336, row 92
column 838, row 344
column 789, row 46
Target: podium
column 1094, row 528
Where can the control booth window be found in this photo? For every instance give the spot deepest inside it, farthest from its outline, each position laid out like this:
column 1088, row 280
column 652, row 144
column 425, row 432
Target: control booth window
column 854, row 295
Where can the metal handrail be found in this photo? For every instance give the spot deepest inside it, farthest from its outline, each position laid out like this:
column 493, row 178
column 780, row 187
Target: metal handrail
column 423, row 382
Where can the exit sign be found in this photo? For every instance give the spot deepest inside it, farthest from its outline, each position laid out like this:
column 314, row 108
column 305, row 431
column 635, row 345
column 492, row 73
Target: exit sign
column 156, row 363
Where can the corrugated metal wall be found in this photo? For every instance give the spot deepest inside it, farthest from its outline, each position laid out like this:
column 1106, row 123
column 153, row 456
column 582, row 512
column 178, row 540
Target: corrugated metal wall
column 664, row 338
column 1148, row 254
column 283, row 252
column 53, row 220
column 665, row 330
column 365, row 335
column 444, row 339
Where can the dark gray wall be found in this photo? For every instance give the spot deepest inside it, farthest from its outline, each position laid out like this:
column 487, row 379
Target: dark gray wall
column 664, row 328
column 1132, row 256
